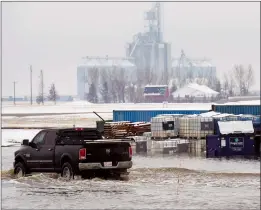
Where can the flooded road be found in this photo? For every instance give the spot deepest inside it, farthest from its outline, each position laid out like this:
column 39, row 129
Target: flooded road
column 154, row 183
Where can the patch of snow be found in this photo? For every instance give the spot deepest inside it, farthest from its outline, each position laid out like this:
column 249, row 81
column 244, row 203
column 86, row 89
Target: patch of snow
column 77, row 102
column 230, row 127
column 12, row 137
column 223, row 115
column 253, row 102
column 196, row 90
column 210, row 114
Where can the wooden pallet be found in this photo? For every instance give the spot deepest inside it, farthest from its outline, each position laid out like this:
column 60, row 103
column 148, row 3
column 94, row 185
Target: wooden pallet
column 193, row 138
column 163, row 138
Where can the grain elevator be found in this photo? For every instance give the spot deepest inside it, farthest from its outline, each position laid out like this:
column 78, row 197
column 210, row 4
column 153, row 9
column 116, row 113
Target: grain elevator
column 148, row 49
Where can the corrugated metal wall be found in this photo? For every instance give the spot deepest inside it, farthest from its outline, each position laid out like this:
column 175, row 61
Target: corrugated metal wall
column 146, row 115
column 237, row 109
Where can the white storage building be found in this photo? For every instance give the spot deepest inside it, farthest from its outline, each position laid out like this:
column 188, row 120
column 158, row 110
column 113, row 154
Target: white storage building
column 195, row 90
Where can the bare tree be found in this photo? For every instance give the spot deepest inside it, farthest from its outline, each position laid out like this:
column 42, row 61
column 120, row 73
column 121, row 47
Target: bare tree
column 244, row 78
column 130, row 92
column 239, row 74
column 112, row 85
column 225, row 86
column 92, row 95
column 92, row 81
column 40, row 97
column 231, row 86
column 120, row 81
column 104, row 88
column 53, row 95
column 249, row 80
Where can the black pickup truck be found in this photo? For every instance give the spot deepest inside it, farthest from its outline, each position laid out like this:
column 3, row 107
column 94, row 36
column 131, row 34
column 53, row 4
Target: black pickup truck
column 74, row 151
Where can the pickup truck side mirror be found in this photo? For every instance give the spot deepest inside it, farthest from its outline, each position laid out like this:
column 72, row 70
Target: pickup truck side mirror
column 33, row 145
column 25, row 142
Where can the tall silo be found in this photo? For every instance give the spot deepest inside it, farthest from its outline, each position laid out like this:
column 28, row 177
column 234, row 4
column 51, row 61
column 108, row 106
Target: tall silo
column 187, row 69
column 152, row 55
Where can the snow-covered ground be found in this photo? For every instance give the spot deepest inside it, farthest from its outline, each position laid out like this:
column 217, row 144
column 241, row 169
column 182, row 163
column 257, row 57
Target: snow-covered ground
column 85, row 120
column 15, row 137
column 83, row 106
column 253, row 102
column 104, row 110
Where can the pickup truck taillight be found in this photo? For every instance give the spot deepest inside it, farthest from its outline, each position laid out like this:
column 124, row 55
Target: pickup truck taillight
column 130, row 151
column 82, row 154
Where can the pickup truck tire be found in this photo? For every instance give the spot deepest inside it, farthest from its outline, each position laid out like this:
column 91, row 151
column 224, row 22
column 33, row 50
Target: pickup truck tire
column 19, row 170
column 67, row 171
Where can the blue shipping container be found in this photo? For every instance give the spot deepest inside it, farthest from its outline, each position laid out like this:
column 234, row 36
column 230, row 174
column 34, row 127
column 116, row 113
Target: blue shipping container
column 230, row 145
column 146, row 115
column 237, row 109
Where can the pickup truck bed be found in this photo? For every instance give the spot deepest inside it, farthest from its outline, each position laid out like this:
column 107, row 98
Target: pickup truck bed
column 75, row 151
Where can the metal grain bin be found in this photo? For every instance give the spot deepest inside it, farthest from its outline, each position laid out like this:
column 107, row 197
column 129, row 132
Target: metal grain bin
column 146, row 115
column 237, row 109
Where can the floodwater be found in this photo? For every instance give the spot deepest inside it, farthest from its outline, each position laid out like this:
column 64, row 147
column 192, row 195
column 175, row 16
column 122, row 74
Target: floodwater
column 173, row 182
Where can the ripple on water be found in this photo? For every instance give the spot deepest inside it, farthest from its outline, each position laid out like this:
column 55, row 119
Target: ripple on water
column 149, row 187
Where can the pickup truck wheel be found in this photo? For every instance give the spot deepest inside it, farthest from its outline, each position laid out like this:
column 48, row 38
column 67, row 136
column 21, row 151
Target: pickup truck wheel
column 67, row 171
column 19, row 170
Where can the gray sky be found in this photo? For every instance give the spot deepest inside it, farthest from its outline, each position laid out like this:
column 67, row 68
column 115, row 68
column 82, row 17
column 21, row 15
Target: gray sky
column 54, row 37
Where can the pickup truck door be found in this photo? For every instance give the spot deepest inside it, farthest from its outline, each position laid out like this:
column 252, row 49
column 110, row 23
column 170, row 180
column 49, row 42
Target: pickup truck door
column 33, row 156
column 47, row 152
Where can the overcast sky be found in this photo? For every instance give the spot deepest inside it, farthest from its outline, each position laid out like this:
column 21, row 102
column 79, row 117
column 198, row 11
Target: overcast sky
column 54, row 37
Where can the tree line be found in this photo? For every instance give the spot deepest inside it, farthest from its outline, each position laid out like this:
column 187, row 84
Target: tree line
column 52, row 96
column 114, row 86
column 238, row 81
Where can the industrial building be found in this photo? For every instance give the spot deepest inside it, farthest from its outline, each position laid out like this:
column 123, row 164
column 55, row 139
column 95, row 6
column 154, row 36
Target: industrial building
column 150, row 52
column 186, row 69
column 148, row 57
column 98, row 70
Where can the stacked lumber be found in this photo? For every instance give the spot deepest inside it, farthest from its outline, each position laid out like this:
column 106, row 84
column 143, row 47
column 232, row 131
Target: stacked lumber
column 123, row 129
column 137, row 129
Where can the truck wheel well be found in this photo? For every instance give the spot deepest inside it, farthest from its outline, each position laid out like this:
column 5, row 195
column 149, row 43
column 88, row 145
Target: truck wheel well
column 64, row 160
column 19, row 159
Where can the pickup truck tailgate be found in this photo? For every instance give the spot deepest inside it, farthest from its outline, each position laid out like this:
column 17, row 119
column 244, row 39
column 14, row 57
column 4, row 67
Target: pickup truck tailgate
column 107, row 151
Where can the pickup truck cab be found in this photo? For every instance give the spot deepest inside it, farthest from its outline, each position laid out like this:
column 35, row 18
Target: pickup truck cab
column 74, row 151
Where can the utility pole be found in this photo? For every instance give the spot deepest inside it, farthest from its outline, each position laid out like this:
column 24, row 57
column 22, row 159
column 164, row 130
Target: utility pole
column 14, row 92
column 31, row 83
column 42, row 87
column 84, row 87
